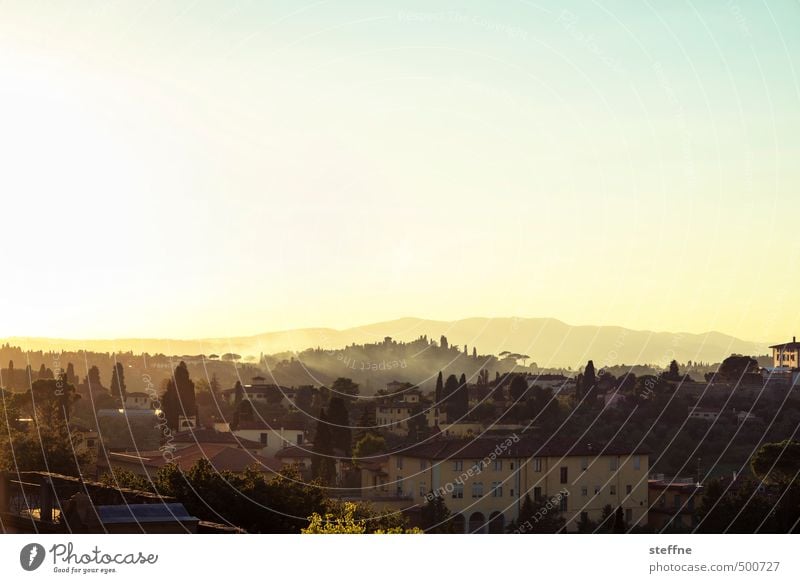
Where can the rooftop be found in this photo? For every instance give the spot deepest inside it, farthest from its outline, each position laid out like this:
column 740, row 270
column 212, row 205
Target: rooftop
column 504, row 447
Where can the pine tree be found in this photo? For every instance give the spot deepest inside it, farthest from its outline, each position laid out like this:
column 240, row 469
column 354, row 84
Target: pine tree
column 339, row 418
column 323, row 464
column 439, row 389
column 117, row 387
column 42, row 373
column 11, row 382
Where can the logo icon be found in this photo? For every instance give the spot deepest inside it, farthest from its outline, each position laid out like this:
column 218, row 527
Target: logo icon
column 31, row 556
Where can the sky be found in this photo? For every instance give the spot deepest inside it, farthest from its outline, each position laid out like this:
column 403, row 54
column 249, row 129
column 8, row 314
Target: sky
column 195, row 168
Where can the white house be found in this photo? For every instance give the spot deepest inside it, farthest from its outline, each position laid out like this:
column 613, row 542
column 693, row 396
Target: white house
column 272, row 439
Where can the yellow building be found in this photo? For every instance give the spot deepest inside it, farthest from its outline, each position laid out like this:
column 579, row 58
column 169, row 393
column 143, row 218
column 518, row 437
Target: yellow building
column 484, row 481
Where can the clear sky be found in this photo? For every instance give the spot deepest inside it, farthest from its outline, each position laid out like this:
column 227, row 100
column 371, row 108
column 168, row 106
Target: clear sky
column 199, row 168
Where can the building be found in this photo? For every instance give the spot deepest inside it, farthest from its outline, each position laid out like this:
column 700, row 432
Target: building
column 484, row 481
column 703, row 413
column 138, row 400
column 260, row 391
column 394, row 412
column 673, row 503
column 786, row 355
column 785, row 369
column 272, row 439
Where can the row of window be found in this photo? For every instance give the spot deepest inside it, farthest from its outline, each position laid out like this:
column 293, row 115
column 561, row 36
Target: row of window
column 497, row 465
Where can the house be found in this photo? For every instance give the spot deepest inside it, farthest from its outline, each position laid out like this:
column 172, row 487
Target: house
column 221, row 457
column 485, row 480
column 703, row 413
column 272, row 439
column 260, row 391
column 673, row 503
column 138, row 400
column 206, row 436
column 393, row 412
column 786, row 355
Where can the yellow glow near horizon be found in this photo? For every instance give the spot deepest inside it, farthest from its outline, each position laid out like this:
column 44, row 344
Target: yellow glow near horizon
column 181, row 171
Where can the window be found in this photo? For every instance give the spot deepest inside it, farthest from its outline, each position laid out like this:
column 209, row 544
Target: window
column 628, row 489
column 497, row 490
column 562, row 504
column 399, row 486
column 458, row 490
column 677, row 501
column 498, row 465
column 299, row 440
column 477, row 489
column 564, row 474
column 613, row 463
column 264, row 438
column 477, row 465
column 90, row 443
column 458, row 465
column 637, row 462
column 511, row 492
column 399, row 463
column 584, row 463
column 537, row 493
column 628, row 515
column 597, row 489
column 537, row 464
column 511, row 465
column 423, row 464
column 423, row 489
column 584, row 491
column 612, row 490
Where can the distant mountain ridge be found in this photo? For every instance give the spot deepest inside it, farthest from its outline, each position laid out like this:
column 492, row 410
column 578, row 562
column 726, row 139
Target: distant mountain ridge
column 548, row 342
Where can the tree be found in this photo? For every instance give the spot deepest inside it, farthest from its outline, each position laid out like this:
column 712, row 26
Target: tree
column 72, row 378
column 93, row 379
column 339, row 419
column 777, row 463
column 736, row 366
column 673, row 374
column 437, row 395
column 249, row 499
column 368, row 446
column 117, row 387
column 11, row 383
column 518, row 387
column 345, row 519
column 179, row 398
column 344, row 387
column 323, row 464
column 435, row 516
column 42, row 373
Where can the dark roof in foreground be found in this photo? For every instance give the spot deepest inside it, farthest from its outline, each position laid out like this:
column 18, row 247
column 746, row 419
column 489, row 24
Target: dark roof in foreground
column 505, row 447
